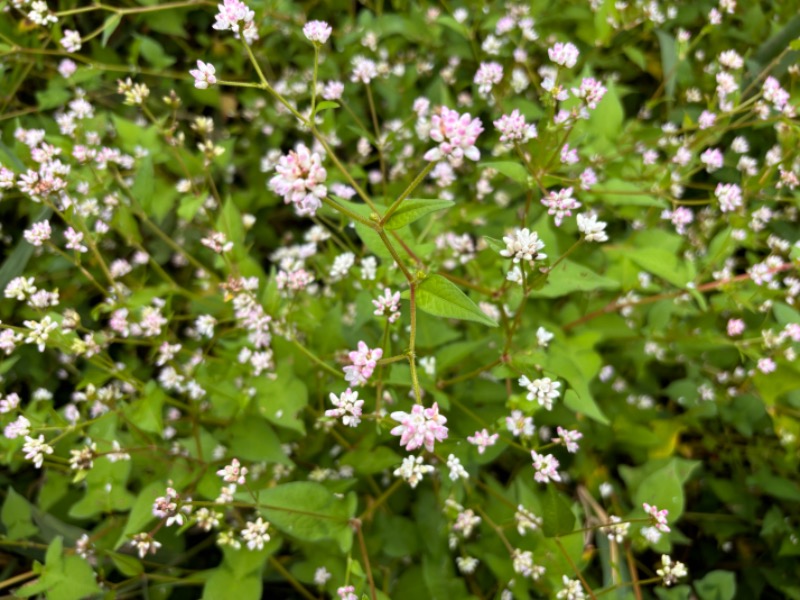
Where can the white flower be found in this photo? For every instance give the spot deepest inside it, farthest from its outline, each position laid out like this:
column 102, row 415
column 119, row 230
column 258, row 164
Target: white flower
column 35, row 449
column 412, row 470
column 591, row 228
column 670, row 571
column 255, row 534
column 317, row 31
column 543, row 390
column 523, row 244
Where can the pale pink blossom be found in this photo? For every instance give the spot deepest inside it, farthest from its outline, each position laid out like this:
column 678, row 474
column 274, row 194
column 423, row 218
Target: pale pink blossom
column 421, row 427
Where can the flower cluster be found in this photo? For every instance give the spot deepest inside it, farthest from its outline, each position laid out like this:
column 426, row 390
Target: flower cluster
column 421, row 427
column 300, row 180
column 364, row 362
column 456, row 135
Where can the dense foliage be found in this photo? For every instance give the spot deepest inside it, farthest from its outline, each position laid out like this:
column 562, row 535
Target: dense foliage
column 400, row 299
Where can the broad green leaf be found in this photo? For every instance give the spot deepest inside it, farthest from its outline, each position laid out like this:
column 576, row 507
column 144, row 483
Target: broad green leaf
column 144, row 182
column 110, row 25
column 512, row 170
column 616, row 192
column 663, row 489
column 584, row 404
column 325, row 105
column 716, row 585
column 128, row 565
column 146, row 411
column 669, row 62
column 141, row 513
column 281, row 400
column 440, row 297
column 16, row 516
column 664, row 263
column 62, row 577
column 223, row 583
column 309, row 511
column 369, row 461
column 569, row 277
column 495, row 244
column 557, row 516
column 252, row 438
column 606, row 120
column 413, row 209
column 17, row 260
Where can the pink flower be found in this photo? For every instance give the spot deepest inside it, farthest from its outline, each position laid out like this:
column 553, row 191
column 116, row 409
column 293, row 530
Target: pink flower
column 513, row 128
column 560, row 204
column 235, row 16
column 420, row 427
column 489, row 74
column 317, row 31
column 203, row 75
column 456, row 135
column 300, row 180
column 233, row 473
column 712, row 159
column 659, row 517
column 729, row 196
column 590, row 90
column 482, row 440
column 364, row 362
column 38, row 234
column 565, row 55
column 388, row 305
column 546, row 467
column 735, row 327
column 568, row 438
column 681, row 217
column 766, row 365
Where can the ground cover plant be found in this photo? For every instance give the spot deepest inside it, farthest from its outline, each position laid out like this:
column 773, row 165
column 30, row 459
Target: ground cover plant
column 399, row 299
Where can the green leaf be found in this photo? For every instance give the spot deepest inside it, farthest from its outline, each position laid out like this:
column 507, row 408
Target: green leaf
column 616, row 192
column 662, row 488
column 440, row 297
column 325, row 105
column 223, row 583
column 309, row 512
column 569, row 277
column 669, row 62
column 659, row 260
column 146, row 412
column 413, row 209
column 495, row 244
column 144, row 182
column 557, row 516
column 141, row 512
column 17, row 260
column 16, row 516
column 584, row 404
column 109, row 27
column 281, row 400
column 62, row 577
column 606, row 120
column 368, row 461
column 512, row 170
column 128, row 565
column 716, row 585
column 252, row 438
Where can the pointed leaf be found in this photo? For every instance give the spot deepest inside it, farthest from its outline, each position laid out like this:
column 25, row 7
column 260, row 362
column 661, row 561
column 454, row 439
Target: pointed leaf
column 512, row 170
column 415, row 208
column 440, row 297
column 557, row 516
